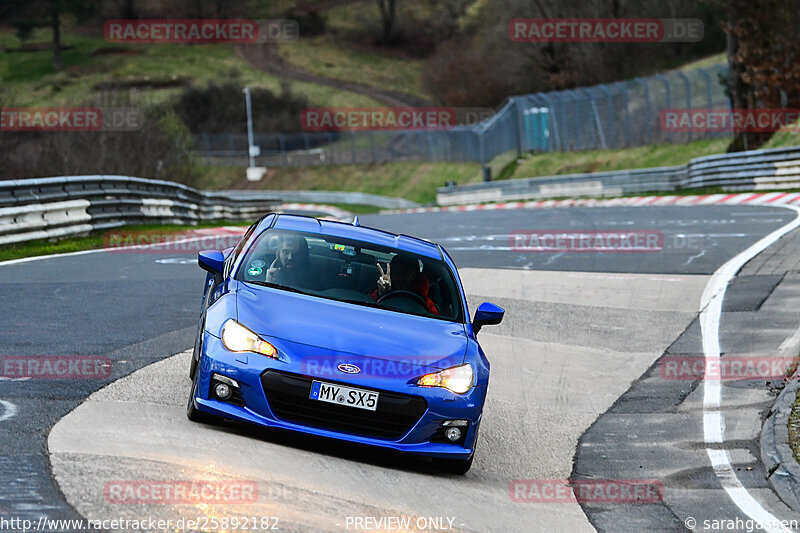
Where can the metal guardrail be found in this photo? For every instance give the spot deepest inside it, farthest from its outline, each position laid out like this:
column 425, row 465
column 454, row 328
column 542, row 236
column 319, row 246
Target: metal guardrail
column 754, row 170
column 331, row 197
column 57, row 207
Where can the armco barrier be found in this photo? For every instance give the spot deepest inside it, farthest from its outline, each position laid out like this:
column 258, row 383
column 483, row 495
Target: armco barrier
column 334, row 197
column 58, row 207
column 754, row 170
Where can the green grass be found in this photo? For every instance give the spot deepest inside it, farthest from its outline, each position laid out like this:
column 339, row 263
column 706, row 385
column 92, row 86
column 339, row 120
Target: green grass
column 30, row 79
column 330, row 56
column 656, row 155
column 412, row 180
column 794, row 428
column 784, row 138
column 95, row 240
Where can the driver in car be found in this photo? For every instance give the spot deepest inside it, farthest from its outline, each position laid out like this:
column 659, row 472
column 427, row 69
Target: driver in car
column 402, row 274
column 291, row 266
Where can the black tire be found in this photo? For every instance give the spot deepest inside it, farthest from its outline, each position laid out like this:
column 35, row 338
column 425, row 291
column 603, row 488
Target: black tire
column 198, row 340
column 198, row 346
column 192, row 412
column 454, row 466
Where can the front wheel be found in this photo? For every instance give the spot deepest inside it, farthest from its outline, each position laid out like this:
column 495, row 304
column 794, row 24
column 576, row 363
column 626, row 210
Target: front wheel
column 454, row 466
column 198, row 348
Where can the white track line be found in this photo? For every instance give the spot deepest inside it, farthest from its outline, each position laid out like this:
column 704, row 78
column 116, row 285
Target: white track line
column 713, row 425
column 98, row 250
column 9, row 411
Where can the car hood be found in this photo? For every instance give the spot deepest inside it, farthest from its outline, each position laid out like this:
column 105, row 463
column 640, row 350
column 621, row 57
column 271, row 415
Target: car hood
column 328, row 326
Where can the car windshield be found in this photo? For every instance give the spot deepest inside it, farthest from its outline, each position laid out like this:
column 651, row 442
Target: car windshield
column 352, row 271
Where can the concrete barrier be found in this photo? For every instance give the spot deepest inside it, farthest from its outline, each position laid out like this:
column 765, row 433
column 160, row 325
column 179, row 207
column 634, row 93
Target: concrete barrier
column 63, row 206
column 755, row 170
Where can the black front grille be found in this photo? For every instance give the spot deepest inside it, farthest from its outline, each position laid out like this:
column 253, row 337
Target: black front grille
column 288, row 396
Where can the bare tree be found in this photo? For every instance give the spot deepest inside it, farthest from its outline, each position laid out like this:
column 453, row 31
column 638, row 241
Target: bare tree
column 25, row 15
column 388, row 12
column 763, row 46
column 481, row 66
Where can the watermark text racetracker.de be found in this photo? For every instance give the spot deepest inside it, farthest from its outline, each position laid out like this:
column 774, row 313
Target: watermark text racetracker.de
column 70, row 119
column 318, row 119
column 175, row 492
column 230, row 524
column 170, row 242
column 201, row 31
column 728, row 368
column 586, row 491
column 586, row 241
column 681, row 120
column 609, row 30
column 41, row 367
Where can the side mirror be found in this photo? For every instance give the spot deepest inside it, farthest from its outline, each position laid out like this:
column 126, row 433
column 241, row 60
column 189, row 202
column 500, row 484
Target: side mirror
column 211, row 260
column 487, row 314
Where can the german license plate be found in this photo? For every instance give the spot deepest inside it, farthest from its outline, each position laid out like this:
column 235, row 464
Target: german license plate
column 339, row 394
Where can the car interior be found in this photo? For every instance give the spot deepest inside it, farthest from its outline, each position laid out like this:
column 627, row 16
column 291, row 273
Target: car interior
column 347, row 270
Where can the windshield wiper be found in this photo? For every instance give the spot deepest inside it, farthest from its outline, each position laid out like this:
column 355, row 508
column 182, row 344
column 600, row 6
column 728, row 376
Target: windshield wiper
column 279, row 286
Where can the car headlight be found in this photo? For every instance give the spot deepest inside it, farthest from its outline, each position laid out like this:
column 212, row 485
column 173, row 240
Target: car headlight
column 238, row 338
column 457, row 379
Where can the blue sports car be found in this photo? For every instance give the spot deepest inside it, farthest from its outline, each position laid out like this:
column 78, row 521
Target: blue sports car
column 345, row 332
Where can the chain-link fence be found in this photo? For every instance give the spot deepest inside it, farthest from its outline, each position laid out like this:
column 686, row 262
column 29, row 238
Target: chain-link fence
column 604, row 116
column 342, row 147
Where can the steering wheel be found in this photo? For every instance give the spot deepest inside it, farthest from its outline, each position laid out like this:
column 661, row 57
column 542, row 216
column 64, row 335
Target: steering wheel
column 416, row 298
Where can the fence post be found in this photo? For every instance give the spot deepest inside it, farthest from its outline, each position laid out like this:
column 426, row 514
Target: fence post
column 487, row 171
column 284, row 155
column 723, row 71
column 688, row 99
column 575, row 116
column 599, row 125
column 648, row 116
column 553, row 119
column 519, row 110
column 624, row 92
column 372, row 146
column 709, row 97
column 545, row 119
column 665, row 81
column 610, row 104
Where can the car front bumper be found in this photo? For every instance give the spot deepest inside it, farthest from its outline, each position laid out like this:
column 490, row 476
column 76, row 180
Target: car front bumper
column 422, row 437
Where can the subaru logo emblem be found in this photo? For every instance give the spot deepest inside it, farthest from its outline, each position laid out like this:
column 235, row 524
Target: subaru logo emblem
column 348, row 368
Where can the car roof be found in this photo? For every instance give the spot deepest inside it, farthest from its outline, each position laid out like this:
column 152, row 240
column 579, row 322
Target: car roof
column 346, row 230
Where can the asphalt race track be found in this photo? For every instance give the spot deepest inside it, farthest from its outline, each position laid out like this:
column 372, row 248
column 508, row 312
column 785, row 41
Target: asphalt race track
column 575, row 392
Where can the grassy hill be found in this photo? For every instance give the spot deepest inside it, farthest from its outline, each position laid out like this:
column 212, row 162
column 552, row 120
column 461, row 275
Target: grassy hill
column 90, row 63
column 160, row 72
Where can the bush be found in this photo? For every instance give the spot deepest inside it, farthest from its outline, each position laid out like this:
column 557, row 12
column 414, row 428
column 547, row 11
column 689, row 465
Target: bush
column 221, row 109
column 160, row 149
column 309, row 21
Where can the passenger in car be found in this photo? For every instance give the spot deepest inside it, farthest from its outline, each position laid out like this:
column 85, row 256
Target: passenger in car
column 403, row 274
